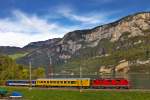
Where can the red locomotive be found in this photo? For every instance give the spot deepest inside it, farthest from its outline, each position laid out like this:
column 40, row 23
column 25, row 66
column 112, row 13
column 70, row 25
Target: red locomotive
column 110, row 83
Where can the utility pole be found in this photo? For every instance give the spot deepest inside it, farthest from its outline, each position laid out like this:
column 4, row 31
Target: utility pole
column 114, row 71
column 80, row 72
column 30, row 73
column 50, row 72
column 114, row 66
column 80, row 78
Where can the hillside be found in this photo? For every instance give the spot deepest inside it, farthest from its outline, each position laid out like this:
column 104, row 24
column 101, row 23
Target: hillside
column 126, row 39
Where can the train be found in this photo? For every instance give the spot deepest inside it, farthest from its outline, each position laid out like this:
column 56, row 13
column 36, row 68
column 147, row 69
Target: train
column 116, row 83
column 20, row 83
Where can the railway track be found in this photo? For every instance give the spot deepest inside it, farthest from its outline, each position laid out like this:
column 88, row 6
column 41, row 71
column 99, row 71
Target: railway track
column 78, row 89
column 83, row 90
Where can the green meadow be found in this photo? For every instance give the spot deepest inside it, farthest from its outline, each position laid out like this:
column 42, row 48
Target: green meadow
column 17, row 55
column 47, row 94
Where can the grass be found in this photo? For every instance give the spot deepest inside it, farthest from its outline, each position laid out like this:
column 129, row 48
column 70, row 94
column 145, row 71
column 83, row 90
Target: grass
column 45, row 94
column 17, row 55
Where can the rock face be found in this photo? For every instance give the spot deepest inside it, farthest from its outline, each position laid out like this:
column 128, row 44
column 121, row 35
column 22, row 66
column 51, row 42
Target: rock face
column 105, row 70
column 42, row 44
column 122, row 67
column 135, row 24
column 72, row 43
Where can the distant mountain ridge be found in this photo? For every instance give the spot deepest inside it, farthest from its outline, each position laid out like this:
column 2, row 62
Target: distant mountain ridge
column 80, row 43
column 9, row 50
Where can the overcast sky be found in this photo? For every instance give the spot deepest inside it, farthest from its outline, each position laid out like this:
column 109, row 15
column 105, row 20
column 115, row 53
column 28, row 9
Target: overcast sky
column 25, row 21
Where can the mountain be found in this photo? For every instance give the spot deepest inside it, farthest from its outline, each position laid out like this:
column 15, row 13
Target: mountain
column 9, row 50
column 41, row 44
column 125, row 39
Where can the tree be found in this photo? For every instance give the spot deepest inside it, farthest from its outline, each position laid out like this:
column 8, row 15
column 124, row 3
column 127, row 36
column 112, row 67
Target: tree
column 25, row 73
column 39, row 73
column 10, row 70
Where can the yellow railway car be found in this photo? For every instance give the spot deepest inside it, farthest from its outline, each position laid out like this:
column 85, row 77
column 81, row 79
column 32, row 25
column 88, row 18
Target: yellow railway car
column 63, row 82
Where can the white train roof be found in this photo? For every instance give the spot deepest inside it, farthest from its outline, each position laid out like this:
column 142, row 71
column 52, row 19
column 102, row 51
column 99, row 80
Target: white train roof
column 64, row 79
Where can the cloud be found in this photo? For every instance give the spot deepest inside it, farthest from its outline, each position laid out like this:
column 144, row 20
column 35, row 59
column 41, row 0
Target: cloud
column 21, row 29
column 69, row 14
column 89, row 18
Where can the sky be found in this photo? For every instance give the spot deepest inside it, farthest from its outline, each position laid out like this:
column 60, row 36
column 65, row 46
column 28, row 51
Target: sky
column 25, row 21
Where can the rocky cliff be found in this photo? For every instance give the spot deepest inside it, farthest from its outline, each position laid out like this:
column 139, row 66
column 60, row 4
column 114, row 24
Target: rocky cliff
column 136, row 25
column 94, row 42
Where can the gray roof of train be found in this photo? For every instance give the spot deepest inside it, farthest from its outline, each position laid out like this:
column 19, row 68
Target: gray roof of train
column 64, row 79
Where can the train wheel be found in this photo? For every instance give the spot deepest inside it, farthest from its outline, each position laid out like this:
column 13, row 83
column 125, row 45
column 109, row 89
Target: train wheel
column 118, row 87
